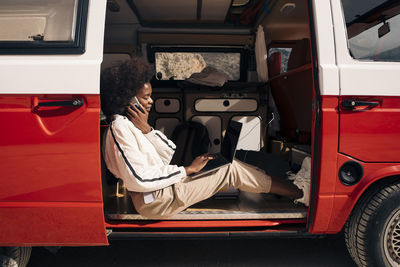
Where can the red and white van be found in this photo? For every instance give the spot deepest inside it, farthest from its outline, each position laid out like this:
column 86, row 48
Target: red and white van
column 333, row 73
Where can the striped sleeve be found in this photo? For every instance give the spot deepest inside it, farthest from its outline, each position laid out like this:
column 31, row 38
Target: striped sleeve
column 165, row 147
column 137, row 169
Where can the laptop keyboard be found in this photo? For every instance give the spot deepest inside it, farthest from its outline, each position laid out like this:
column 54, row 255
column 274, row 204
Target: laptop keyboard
column 219, row 160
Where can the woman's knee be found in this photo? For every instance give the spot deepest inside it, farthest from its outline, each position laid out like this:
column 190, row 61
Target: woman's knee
column 234, row 173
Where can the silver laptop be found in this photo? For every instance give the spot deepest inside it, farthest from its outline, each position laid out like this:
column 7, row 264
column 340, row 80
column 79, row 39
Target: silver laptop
column 228, row 150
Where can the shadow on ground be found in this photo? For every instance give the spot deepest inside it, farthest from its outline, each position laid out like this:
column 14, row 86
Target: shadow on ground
column 328, row 251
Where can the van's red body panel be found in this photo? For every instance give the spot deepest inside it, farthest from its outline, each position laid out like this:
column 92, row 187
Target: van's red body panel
column 54, row 206
column 347, row 196
column 371, row 134
column 51, row 224
column 326, row 170
column 51, row 169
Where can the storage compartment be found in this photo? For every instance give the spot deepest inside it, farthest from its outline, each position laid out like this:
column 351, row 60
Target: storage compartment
column 225, row 105
column 167, row 105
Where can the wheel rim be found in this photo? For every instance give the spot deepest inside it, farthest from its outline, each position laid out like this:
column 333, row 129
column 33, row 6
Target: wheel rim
column 392, row 240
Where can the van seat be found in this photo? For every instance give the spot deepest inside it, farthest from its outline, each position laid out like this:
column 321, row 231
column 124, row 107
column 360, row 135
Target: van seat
column 300, row 54
column 274, row 64
column 292, row 92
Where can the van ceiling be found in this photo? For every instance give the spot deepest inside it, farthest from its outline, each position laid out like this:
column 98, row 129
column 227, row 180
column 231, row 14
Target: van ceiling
column 182, row 13
column 293, row 25
column 126, row 18
column 178, row 11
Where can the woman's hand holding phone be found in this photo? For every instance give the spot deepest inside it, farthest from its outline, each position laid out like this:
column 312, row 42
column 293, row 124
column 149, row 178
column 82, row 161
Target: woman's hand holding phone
column 139, row 117
column 138, row 106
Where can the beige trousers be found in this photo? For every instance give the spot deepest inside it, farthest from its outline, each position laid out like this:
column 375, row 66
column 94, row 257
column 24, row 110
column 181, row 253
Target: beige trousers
column 175, row 198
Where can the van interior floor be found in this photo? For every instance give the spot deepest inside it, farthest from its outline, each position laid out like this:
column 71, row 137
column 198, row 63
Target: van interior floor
column 244, row 206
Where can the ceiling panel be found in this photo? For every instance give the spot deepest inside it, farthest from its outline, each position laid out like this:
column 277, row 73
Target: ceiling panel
column 124, row 15
column 291, row 26
column 214, row 10
column 162, row 10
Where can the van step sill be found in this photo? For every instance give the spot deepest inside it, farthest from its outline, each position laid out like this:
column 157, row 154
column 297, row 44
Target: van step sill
column 218, row 215
column 245, row 206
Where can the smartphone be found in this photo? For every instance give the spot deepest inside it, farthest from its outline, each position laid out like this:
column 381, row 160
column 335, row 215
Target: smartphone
column 135, row 102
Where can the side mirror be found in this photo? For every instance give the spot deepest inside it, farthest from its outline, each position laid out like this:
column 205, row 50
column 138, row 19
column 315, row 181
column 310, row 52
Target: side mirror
column 384, row 29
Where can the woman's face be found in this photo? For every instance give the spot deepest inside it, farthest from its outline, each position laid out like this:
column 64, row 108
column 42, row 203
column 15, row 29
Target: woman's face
column 144, row 96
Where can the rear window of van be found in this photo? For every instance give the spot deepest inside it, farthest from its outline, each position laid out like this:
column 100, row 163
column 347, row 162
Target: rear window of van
column 180, row 65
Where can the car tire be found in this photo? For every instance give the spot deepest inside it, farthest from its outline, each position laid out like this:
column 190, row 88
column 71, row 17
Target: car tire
column 372, row 232
column 14, row 256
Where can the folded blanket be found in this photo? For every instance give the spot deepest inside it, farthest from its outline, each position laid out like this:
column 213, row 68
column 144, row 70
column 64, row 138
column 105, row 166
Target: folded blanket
column 209, row 76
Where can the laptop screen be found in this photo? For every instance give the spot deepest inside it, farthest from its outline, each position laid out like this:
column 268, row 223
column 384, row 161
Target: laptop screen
column 231, row 140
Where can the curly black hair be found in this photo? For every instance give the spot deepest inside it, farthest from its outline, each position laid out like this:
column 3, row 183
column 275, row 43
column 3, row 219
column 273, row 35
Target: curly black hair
column 120, row 83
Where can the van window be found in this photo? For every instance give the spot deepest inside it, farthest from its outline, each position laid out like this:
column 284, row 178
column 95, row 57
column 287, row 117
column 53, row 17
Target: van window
column 40, row 24
column 285, row 53
column 373, row 29
column 180, row 65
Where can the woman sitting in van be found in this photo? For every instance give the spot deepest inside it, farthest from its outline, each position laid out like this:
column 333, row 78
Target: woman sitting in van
column 140, row 155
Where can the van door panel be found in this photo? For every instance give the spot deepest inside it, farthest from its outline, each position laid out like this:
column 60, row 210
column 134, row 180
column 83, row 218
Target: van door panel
column 59, row 154
column 371, row 133
column 51, row 223
column 51, row 169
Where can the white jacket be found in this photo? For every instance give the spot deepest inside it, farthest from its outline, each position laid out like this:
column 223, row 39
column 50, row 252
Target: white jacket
column 140, row 160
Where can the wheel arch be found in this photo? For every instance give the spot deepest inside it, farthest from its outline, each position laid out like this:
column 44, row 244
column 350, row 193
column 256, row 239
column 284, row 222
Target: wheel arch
column 365, row 227
column 346, row 202
column 374, row 185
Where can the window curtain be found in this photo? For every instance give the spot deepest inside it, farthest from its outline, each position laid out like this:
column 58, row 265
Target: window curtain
column 261, row 55
column 262, row 73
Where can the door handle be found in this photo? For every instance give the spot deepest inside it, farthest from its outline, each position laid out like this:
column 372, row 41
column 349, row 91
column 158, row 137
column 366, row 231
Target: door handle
column 63, row 103
column 352, row 104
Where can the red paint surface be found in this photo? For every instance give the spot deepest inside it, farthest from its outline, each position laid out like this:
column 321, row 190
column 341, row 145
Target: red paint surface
column 371, row 135
column 346, row 197
column 326, row 171
column 51, row 184
column 51, row 224
column 365, row 134
column 50, row 155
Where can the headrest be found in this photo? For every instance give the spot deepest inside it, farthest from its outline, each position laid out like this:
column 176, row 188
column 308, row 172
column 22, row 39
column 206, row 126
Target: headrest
column 274, row 64
column 300, row 54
